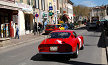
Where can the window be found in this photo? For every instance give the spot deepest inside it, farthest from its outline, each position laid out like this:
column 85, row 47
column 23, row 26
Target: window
column 32, row 2
column 21, row 1
column 58, row 26
column 60, row 35
column 37, row 4
column 43, row 4
column 28, row 2
column 50, row 26
column 75, row 34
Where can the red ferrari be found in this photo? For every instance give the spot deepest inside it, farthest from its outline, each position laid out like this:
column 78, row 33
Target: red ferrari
column 64, row 42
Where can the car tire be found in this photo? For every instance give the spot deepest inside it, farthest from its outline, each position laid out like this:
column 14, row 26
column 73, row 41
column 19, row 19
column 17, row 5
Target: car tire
column 75, row 55
column 82, row 47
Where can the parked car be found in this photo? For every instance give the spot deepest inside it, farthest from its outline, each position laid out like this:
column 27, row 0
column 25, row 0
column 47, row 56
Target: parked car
column 52, row 27
column 91, row 25
column 71, row 26
column 59, row 26
column 65, row 26
column 63, row 42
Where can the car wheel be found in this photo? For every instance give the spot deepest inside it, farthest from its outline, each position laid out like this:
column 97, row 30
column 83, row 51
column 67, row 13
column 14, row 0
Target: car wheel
column 82, row 47
column 76, row 52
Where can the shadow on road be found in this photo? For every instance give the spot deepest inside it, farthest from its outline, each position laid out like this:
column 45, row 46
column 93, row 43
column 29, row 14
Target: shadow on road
column 38, row 57
column 90, row 29
column 99, row 29
column 44, row 33
column 101, row 42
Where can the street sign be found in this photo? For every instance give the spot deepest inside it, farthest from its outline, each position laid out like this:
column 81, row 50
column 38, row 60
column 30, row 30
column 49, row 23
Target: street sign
column 50, row 8
column 37, row 15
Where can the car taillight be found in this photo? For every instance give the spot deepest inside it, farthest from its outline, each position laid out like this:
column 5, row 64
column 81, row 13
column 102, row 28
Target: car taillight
column 63, row 42
column 43, row 48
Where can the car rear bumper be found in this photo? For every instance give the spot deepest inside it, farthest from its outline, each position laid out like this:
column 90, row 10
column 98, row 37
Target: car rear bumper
column 56, row 53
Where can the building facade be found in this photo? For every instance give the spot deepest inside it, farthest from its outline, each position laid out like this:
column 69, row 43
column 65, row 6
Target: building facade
column 26, row 12
column 8, row 18
column 99, row 11
column 25, row 16
column 70, row 11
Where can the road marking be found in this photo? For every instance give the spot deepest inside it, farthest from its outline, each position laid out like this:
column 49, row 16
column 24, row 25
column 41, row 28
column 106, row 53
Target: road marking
column 104, row 58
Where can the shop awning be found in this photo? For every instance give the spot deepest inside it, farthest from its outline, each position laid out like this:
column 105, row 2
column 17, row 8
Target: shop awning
column 8, row 5
column 27, row 9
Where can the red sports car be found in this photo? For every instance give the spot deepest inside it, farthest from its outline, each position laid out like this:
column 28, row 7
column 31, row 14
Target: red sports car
column 51, row 27
column 64, row 42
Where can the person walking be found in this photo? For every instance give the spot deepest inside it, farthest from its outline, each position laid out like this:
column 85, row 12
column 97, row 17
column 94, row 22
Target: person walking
column 45, row 24
column 17, row 31
column 39, row 28
column 35, row 28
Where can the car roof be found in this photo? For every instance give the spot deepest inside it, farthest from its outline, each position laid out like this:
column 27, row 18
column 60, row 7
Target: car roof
column 70, row 31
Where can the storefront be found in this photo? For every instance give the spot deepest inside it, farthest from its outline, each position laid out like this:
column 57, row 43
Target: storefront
column 8, row 18
column 25, row 18
column 28, row 23
column 7, row 22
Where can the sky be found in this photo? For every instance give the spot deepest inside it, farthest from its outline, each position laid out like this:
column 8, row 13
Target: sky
column 90, row 3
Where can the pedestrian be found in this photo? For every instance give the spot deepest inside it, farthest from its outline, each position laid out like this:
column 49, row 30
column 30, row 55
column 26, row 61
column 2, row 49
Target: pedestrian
column 97, row 24
column 35, row 28
column 40, row 28
column 17, row 31
column 45, row 24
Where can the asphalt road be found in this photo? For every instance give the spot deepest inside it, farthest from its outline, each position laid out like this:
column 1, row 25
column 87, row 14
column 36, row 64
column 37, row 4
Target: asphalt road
column 26, row 54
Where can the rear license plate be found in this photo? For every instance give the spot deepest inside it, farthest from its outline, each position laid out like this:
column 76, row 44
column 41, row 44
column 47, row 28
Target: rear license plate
column 53, row 48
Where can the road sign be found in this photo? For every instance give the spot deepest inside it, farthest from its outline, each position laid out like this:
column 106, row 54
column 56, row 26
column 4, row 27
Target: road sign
column 37, row 15
column 50, row 8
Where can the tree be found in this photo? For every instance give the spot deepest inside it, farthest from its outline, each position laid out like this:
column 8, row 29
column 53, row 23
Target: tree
column 81, row 10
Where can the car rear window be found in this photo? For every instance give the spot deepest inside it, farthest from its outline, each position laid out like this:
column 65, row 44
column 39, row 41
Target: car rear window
column 50, row 26
column 60, row 35
column 58, row 26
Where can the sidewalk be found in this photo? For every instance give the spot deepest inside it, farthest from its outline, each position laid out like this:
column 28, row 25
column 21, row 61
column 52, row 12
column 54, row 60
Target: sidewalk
column 5, row 42
column 82, row 25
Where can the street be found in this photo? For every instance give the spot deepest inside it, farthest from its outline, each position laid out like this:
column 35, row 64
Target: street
column 26, row 54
